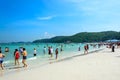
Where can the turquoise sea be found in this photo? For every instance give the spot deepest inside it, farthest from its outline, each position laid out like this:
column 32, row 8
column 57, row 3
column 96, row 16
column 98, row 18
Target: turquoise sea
column 68, row 50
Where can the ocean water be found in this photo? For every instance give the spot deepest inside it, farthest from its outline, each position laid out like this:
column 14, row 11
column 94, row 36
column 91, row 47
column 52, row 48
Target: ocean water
column 68, row 50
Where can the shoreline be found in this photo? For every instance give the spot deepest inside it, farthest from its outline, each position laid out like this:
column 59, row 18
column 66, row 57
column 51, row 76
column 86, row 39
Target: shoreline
column 100, row 64
column 13, row 69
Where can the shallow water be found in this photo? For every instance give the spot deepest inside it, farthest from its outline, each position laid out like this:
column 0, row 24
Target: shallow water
column 41, row 58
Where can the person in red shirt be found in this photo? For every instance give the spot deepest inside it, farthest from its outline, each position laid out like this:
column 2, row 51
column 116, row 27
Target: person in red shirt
column 17, row 56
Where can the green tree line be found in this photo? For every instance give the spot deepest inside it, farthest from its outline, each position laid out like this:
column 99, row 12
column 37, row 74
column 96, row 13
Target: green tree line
column 83, row 37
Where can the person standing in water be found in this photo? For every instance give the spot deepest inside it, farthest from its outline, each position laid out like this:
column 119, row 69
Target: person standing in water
column 86, row 47
column 79, row 48
column 44, row 50
column 51, row 49
column 35, row 52
column 0, row 49
column 56, row 53
column 24, row 57
column 17, row 56
column 113, row 48
column 61, row 49
column 1, row 60
column 6, row 49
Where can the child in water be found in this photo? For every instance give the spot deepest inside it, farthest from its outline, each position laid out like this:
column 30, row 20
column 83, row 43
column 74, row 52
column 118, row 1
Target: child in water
column 17, row 56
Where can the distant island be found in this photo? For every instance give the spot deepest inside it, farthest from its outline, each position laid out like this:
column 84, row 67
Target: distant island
column 83, row 37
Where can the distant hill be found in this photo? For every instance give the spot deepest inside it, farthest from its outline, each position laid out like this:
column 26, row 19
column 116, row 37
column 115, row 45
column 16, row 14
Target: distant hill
column 83, row 37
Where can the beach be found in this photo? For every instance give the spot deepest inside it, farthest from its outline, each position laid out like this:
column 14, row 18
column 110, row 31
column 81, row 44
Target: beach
column 98, row 65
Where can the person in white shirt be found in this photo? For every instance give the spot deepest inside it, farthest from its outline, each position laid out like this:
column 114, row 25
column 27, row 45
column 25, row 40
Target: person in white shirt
column 35, row 52
column 51, row 50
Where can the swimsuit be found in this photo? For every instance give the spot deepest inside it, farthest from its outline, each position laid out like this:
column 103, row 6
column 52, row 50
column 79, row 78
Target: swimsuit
column 1, row 60
column 24, row 57
column 17, row 56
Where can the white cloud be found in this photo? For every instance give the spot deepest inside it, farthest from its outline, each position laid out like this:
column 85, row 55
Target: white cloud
column 48, row 35
column 46, row 18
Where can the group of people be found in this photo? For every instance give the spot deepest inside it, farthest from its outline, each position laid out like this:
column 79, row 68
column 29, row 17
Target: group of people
column 22, row 51
column 51, row 51
column 17, row 54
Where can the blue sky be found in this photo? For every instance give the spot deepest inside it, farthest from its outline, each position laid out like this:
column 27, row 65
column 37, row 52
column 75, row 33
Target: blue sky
column 28, row 20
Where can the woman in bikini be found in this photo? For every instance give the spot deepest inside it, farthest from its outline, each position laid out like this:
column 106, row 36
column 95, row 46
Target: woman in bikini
column 24, row 57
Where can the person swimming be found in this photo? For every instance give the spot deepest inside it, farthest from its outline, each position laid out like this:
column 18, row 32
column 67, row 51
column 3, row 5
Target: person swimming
column 6, row 49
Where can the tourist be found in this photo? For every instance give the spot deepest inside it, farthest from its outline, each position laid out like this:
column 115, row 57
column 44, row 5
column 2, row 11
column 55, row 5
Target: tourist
column 1, row 60
column 0, row 49
column 79, row 48
column 17, row 56
column 51, row 49
column 35, row 52
column 44, row 50
column 61, row 49
column 113, row 48
column 56, row 53
column 24, row 57
column 86, row 47
column 6, row 49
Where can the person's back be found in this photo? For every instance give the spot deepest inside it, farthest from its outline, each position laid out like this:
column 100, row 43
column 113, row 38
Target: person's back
column 24, row 53
column 17, row 54
column 24, row 57
column 1, row 56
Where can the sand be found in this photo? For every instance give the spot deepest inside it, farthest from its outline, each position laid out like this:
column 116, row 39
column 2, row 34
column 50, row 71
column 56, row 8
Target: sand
column 101, row 65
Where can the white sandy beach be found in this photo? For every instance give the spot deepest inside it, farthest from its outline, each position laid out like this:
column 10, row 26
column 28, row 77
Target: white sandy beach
column 102, row 65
